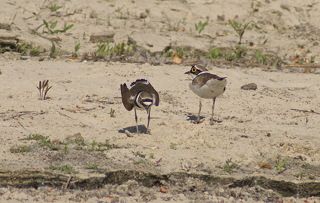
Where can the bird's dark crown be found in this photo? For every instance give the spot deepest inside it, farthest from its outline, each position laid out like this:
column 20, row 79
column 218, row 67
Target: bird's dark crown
column 196, row 69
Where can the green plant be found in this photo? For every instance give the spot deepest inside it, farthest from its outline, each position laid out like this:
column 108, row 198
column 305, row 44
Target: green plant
column 92, row 166
column 65, row 149
column 53, row 50
column 239, row 28
column 176, row 51
column 54, row 7
column 68, row 169
column 35, row 51
column 28, row 49
column 280, row 165
column 215, row 53
column 112, row 113
column 260, row 57
column 229, row 166
column 43, row 141
column 107, row 49
column 51, row 27
column 76, row 49
column 200, row 26
column 240, row 51
column 20, row 149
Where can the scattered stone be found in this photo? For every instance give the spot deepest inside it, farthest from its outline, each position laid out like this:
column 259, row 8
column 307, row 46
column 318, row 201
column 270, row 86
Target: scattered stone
column 75, row 138
column 24, row 57
column 250, row 86
column 163, row 189
column 285, row 7
column 220, row 17
column 5, row 26
column 105, row 37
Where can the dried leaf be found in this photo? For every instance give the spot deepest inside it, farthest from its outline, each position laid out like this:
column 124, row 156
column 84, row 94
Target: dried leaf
column 265, row 165
column 163, row 189
column 176, row 59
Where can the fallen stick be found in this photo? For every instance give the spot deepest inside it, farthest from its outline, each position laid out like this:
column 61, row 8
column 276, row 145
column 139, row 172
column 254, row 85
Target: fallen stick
column 305, row 111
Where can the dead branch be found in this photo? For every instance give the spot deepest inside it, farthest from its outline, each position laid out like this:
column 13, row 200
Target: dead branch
column 305, row 111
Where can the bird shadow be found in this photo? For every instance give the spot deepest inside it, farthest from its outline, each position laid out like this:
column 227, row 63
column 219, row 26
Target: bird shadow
column 133, row 129
column 193, row 118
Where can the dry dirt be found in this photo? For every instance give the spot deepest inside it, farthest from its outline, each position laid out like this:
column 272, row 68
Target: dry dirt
column 266, row 148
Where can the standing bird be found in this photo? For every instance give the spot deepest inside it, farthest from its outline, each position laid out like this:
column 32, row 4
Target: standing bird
column 206, row 85
column 140, row 95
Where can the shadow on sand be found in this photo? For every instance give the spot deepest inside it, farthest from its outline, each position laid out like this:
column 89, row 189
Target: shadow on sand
column 133, row 129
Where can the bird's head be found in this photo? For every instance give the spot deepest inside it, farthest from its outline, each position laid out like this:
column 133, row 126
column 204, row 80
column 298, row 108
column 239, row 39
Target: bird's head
column 195, row 70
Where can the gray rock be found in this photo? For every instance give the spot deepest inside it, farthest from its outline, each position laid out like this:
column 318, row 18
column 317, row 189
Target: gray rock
column 250, row 86
column 103, row 37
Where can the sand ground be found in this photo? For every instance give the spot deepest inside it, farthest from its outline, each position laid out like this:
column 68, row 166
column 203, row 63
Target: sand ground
column 80, row 129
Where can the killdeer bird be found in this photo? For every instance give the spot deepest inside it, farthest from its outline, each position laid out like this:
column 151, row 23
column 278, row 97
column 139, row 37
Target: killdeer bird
column 140, row 95
column 206, row 85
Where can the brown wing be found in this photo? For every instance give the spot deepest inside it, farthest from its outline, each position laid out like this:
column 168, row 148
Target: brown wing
column 203, row 78
column 125, row 95
column 145, row 86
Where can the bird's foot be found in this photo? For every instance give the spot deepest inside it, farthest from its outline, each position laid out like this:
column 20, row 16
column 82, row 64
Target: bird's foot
column 198, row 121
column 213, row 121
column 148, row 132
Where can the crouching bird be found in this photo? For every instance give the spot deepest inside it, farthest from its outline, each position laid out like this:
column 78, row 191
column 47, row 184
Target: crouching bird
column 206, row 85
column 140, row 95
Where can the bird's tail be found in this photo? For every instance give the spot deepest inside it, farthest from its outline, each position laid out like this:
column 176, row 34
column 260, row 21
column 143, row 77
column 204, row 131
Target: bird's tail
column 125, row 97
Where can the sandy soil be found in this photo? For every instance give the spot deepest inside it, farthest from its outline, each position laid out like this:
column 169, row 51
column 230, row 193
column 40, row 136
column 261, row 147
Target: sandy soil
column 271, row 132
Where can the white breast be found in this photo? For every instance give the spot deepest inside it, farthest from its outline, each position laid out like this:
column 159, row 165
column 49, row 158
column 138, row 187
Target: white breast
column 213, row 88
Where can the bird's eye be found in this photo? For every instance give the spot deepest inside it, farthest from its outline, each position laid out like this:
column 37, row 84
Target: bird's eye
column 193, row 69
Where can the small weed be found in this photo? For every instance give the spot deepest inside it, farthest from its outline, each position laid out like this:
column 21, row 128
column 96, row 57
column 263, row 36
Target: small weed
column 100, row 146
column 35, row 137
column 35, row 51
column 173, row 146
column 260, row 57
column 230, row 56
column 200, row 26
column 280, row 165
column 51, row 27
column 68, row 169
column 20, row 149
column 239, row 28
column 92, row 166
column 240, row 52
column 76, row 49
column 43, row 89
column 215, row 53
column 53, row 50
column 28, row 49
column 177, row 51
column 112, row 113
column 109, row 50
column 175, row 26
column 54, row 7
column 65, row 149
column 43, row 141
column 229, row 166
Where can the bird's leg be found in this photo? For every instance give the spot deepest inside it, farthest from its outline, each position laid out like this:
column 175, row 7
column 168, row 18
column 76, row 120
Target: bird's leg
column 149, row 111
column 136, row 118
column 198, row 119
column 213, row 103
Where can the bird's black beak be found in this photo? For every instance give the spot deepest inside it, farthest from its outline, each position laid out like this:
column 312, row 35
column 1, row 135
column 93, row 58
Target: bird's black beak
column 187, row 72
